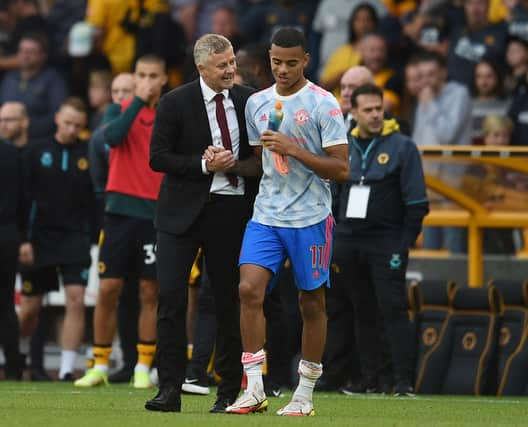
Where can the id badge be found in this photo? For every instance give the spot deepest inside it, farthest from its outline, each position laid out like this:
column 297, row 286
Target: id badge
column 358, row 198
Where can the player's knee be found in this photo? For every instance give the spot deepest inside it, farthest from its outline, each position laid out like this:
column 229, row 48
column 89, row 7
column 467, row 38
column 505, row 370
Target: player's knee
column 149, row 293
column 75, row 302
column 312, row 306
column 29, row 309
column 108, row 293
column 249, row 294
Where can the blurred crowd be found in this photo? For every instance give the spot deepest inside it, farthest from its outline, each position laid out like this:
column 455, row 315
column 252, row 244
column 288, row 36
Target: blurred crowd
column 52, row 49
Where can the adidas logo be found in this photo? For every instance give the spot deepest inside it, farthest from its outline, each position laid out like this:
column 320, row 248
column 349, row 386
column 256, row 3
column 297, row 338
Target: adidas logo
column 263, row 118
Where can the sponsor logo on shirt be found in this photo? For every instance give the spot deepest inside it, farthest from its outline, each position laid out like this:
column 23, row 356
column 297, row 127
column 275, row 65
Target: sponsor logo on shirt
column 298, row 140
column 263, row 118
column 470, row 51
column 46, row 159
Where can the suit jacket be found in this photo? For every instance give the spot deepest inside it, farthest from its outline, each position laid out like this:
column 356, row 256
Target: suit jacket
column 180, row 136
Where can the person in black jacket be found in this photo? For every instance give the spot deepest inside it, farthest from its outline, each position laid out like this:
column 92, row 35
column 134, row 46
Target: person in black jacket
column 11, row 216
column 58, row 238
column 202, row 202
column 380, row 213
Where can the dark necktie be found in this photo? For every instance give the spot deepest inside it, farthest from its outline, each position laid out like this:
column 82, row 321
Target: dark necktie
column 224, row 130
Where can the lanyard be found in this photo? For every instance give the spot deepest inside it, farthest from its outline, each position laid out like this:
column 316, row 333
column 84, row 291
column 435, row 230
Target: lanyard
column 365, row 161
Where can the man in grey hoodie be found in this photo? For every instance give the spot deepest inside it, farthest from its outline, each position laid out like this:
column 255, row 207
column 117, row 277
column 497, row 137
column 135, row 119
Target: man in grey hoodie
column 443, row 117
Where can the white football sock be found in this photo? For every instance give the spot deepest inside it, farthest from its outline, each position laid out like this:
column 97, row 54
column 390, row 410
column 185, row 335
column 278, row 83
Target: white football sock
column 103, row 368
column 309, row 373
column 141, row 367
column 253, row 363
column 67, row 362
column 23, row 345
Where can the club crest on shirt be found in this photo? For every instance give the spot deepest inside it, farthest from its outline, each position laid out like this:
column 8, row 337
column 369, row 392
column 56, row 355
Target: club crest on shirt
column 383, row 158
column 301, row 117
column 27, row 286
column 82, row 164
column 46, row 159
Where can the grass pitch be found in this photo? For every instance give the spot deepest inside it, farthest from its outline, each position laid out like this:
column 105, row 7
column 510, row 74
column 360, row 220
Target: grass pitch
column 58, row 405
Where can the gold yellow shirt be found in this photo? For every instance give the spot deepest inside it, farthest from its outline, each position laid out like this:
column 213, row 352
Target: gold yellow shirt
column 342, row 59
column 118, row 45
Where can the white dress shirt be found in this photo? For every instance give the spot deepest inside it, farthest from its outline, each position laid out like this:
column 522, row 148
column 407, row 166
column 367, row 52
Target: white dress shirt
column 220, row 184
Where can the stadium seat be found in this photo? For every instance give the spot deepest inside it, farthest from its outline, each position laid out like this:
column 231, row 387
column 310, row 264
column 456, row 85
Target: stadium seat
column 433, row 307
column 463, row 356
column 512, row 348
column 415, row 299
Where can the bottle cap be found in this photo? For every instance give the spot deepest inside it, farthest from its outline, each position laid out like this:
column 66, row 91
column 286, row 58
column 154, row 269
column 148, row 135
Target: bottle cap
column 278, row 105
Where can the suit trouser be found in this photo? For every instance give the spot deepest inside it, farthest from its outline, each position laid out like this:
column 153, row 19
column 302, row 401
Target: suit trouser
column 204, row 331
column 278, row 354
column 9, row 330
column 218, row 230
column 340, row 358
column 127, row 315
column 377, row 285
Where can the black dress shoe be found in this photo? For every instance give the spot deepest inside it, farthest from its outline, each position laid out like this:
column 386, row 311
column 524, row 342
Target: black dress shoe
column 39, row 375
column 67, row 378
column 14, row 371
column 122, row 376
column 167, row 400
column 220, row 405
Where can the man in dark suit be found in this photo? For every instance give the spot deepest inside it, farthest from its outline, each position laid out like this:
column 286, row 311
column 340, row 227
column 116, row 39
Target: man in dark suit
column 202, row 202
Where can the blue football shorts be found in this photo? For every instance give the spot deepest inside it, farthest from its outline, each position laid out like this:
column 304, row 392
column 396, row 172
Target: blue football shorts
column 309, row 250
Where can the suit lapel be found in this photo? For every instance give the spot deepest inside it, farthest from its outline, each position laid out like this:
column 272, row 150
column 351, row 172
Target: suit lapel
column 199, row 113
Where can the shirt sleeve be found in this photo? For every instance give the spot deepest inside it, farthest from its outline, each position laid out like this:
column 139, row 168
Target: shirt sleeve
column 332, row 124
column 414, row 194
column 252, row 130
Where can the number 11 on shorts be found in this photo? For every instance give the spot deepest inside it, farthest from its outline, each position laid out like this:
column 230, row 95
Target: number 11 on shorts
column 317, row 252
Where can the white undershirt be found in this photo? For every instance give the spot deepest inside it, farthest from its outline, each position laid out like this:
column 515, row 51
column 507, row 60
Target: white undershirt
column 220, row 184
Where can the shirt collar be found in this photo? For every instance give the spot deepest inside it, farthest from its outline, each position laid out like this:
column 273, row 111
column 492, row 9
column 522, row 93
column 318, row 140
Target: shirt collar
column 209, row 93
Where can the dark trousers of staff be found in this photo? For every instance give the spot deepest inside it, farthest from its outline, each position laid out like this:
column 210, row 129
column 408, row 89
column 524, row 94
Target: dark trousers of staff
column 218, row 230
column 8, row 318
column 378, row 286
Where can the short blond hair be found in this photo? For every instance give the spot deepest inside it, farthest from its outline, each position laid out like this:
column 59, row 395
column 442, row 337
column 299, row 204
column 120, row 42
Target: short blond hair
column 208, row 45
column 494, row 123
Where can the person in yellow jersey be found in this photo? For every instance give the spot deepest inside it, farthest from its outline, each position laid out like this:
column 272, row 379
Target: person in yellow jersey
column 110, row 36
